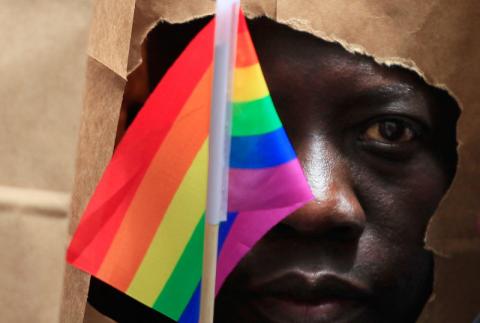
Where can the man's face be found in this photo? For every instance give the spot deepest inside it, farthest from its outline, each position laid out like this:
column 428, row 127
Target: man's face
column 378, row 149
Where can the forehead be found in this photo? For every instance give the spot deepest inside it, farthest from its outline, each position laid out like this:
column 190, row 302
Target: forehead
column 302, row 59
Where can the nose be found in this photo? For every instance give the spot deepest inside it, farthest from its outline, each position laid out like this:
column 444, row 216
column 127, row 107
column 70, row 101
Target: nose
column 336, row 213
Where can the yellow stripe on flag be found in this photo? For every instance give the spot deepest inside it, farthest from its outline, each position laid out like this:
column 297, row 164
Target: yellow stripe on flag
column 173, row 234
column 249, row 84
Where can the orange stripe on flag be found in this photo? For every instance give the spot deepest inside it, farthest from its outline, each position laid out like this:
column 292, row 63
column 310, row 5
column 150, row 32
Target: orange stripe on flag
column 158, row 187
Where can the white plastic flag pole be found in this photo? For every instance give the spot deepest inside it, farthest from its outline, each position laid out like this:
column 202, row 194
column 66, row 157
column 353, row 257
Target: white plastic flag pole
column 219, row 146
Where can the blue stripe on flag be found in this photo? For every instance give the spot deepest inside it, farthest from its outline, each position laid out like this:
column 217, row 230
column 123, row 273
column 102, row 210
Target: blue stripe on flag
column 224, row 230
column 267, row 150
column 191, row 314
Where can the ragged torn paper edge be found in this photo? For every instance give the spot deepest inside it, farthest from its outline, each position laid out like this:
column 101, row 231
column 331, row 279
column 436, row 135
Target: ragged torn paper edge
column 120, row 27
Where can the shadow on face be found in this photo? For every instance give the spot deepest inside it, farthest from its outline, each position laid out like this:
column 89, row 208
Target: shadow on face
column 378, row 148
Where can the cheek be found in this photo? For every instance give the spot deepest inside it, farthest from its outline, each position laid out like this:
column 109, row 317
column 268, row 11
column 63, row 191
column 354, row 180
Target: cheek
column 400, row 198
column 398, row 205
column 400, row 275
column 399, row 201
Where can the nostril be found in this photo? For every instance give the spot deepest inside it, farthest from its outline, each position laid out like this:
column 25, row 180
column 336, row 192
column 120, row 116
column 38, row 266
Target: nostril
column 333, row 228
column 336, row 217
column 284, row 229
column 343, row 233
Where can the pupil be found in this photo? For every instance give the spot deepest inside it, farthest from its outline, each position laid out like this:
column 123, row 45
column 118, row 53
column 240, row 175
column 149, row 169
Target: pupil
column 391, row 130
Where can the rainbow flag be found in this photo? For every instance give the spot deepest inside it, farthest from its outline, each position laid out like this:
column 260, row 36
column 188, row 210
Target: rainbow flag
column 142, row 231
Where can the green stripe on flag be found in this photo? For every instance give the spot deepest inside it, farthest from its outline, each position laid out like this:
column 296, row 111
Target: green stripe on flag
column 254, row 117
column 187, row 274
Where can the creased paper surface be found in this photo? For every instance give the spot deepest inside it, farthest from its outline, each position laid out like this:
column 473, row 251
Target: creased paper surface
column 110, row 34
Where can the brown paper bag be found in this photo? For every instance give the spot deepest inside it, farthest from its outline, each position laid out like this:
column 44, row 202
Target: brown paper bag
column 436, row 38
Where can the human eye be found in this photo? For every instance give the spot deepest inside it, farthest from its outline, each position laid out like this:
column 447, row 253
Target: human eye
column 392, row 137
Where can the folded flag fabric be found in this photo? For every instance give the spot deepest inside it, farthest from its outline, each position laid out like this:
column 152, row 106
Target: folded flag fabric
column 142, row 231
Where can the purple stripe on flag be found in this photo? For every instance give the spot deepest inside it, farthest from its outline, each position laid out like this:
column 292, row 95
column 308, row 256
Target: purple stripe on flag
column 248, row 228
column 267, row 188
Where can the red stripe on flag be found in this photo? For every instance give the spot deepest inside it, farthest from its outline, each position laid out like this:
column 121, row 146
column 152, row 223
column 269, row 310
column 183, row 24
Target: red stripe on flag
column 242, row 23
column 246, row 54
column 88, row 246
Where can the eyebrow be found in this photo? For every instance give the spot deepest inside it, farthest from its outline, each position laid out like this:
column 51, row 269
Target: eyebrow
column 387, row 93
column 378, row 95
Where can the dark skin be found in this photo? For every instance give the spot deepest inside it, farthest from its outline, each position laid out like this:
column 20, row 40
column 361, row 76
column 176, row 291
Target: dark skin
column 378, row 148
